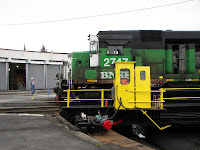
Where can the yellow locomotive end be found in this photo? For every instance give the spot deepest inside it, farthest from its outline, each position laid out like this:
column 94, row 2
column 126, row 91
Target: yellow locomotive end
column 133, row 87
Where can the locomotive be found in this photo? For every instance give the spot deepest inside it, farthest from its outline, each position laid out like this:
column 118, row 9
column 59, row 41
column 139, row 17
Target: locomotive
column 173, row 57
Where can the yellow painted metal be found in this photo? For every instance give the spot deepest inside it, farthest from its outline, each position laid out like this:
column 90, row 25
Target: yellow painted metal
column 77, row 99
column 102, row 97
column 195, row 79
column 68, row 97
column 34, row 95
column 169, row 79
column 161, row 128
column 181, row 89
column 161, row 98
column 136, row 93
column 154, row 91
column 91, row 80
column 89, row 90
column 143, row 83
column 122, row 94
column 183, row 98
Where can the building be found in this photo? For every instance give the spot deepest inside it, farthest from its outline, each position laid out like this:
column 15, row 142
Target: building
column 17, row 67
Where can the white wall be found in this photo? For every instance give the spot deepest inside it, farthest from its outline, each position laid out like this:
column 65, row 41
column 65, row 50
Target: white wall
column 28, row 55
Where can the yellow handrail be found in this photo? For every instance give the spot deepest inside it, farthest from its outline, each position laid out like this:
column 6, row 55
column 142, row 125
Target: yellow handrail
column 161, row 128
column 93, row 90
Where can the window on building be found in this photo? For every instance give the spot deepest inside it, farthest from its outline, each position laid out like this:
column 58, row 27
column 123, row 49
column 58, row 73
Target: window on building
column 115, row 50
column 124, row 76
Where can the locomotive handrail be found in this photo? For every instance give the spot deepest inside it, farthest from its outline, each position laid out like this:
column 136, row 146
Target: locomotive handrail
column 93, row 90
column 160, row 100
column 181, row 89
column 183, row 98
column 178, row 89
column 89, row 90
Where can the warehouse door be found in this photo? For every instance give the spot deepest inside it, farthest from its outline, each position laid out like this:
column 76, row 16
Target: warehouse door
column 37, row 72
column 17, row 76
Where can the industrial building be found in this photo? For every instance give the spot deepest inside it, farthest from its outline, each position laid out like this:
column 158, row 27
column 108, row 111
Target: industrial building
column 17, row 67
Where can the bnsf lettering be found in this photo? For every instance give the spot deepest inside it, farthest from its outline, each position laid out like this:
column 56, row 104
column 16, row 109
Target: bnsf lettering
column 108, row 61
column 107, row 75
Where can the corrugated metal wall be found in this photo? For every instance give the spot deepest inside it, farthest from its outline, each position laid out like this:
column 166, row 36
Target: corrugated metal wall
column 3, row 78
column 38, row 74
column 52, row 70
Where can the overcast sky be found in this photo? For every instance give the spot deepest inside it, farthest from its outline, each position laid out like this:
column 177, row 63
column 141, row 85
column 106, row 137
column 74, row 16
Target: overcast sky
column 71, row 35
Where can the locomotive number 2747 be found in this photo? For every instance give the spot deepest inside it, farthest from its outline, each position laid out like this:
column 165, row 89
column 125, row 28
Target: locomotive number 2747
column 109, row 61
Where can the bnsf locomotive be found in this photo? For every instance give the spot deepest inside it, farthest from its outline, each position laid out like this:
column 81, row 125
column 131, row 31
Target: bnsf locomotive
column 173, row 57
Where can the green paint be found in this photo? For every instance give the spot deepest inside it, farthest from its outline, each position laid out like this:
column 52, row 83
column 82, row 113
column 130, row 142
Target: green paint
column 168, row 61
column 138, row 60
column 191, row 61
column 79, row 61
column 151, row 57
column 90, row 74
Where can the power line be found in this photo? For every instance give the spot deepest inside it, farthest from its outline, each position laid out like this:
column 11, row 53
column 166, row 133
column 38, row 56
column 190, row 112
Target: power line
column 102, row 15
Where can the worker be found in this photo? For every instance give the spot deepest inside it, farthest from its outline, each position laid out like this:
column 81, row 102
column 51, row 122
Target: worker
column 125, row 82
column 32, row 85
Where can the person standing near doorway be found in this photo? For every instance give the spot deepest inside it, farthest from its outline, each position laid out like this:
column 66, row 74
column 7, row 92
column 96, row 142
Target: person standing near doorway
column 32, row 85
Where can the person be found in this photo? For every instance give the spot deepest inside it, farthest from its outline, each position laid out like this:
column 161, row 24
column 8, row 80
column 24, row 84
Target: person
column 125, row 82
column 32, row 85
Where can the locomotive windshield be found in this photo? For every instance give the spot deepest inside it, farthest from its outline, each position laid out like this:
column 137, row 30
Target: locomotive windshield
column 124, row 76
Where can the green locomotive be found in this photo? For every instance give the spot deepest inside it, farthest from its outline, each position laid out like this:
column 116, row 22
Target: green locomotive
column 174, row 58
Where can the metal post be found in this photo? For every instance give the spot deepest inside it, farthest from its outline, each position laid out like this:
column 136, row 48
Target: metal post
column 102, row 97
column 7, row 76
column 45, row 76
column 161, row 98
column 68, row 97
column 27, row 75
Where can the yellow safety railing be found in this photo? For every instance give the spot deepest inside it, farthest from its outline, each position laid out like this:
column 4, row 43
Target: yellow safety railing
column 87, row 90
column 173, row 89
column 157, row 102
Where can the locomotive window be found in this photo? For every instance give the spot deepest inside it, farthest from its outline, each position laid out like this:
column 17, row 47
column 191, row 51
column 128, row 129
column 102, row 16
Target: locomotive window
column 142, row 75
column 115, row 50
column 93, row 47
column 124, row 76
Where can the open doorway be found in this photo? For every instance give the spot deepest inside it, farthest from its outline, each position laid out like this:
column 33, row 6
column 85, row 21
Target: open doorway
column 17, row 76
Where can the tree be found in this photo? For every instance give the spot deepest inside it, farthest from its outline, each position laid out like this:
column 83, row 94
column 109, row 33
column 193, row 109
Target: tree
column 24, row 47
column 43, row 49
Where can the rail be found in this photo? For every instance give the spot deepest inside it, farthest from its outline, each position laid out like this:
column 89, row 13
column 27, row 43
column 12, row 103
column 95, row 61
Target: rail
column 87, row 90
column 181, row 89
column 157, row 103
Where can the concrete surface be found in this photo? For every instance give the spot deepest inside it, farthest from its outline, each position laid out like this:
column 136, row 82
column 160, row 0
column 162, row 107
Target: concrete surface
column 31, row 132
column 49, row 131
column 26, row 96
column 22, row 131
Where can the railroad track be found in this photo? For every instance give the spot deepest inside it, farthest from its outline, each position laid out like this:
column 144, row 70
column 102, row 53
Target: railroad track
column 30, row 107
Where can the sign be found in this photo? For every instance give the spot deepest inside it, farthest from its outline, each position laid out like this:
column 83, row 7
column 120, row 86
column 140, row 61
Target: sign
column 108, row 61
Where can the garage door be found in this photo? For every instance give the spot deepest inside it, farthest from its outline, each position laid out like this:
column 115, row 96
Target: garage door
column 37, row 73
column 52, row 70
